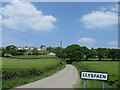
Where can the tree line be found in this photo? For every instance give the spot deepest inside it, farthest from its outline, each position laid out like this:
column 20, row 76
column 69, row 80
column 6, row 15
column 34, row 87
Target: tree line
column 12, row 50
column 76, row 52
column 72, row 52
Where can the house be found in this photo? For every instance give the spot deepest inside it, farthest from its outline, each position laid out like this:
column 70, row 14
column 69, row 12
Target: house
column 21, row 48
column 31, row 48
column 43, row 48
column 51, row 53
column 26, row 48
column 39, row 49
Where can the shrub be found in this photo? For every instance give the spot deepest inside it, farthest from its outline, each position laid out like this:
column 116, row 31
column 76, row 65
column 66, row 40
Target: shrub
column 7, row 55
column 30, row 72
column 118, row 84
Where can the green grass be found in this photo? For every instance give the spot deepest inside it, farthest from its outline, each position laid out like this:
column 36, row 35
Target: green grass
column 17, row 72
column 34, row 57
column 110, row 67
column 12, row 83
column 0, row 73
column 98, row 59
column 28, row 63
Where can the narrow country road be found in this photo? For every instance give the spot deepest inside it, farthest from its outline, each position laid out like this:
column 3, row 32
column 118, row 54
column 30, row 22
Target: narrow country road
column 66, row 78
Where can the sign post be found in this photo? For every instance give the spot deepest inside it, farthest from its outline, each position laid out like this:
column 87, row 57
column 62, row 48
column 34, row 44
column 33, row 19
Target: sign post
column 94, row 76
column 103, row 85
column 84, row 84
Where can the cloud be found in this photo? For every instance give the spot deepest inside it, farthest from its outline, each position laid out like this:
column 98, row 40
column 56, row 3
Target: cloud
column 113, row 43
column 115, row 8
column 86, row 41
column 100, row 19
column 25, row 16
column 113, row 47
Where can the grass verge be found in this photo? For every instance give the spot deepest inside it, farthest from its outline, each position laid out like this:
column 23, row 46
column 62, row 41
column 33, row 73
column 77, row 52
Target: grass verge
column 95, row 66
column 18, row 81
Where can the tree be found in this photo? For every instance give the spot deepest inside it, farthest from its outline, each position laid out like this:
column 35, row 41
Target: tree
column 49, row 49
column 101, row 52
column 4, row 50
column 118, row 54
column 7, row 55
column 74, row 52
column 86, row 52
column 59, row 52
column 93, row 53
column 21, row 52
column 113, row 53
column 28, row 52
column 11, row 47
column 42, row 46
column 35, row 51
column 13, row 52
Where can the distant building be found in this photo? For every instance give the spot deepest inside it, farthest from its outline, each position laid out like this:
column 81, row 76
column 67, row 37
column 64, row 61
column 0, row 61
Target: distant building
column 39, row 49
column 21, row 48
column 43, row 48
column 31, row 48
column 51, row 53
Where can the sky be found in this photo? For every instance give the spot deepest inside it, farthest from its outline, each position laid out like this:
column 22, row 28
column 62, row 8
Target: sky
column 91, row 24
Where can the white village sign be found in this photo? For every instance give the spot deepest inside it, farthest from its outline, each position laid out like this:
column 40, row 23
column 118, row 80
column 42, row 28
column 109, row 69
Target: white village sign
column 94, row 76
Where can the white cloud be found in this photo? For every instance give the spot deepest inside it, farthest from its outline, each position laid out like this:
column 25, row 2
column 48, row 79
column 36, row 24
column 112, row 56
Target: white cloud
column 115, row 8
column 100, row 19
column 114, row 47
column 25, row 16
column 86, row 41
column 113, row 43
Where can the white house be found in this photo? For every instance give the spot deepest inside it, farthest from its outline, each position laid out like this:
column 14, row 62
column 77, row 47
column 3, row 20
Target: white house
column 26, row 48
column 39, row 49
column 31, row 48
column 51, row 53
column 21, row 48
column 43, row 48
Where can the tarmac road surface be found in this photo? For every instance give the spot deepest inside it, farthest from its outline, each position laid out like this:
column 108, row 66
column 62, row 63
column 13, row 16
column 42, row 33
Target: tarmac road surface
column 66, row 78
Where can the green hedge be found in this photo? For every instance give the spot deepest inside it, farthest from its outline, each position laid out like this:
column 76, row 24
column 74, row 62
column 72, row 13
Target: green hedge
column 30, row 72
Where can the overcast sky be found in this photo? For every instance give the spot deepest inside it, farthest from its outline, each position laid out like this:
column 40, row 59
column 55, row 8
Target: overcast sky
column 90, row 24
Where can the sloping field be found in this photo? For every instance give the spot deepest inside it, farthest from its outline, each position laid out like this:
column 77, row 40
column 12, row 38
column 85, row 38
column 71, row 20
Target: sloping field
column 18, row 72
column 28, row 63
column 34, row 57
column 110, row 67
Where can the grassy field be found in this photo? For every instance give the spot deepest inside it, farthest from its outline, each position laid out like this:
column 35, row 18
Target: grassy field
column 110, row 67
column 34, row 57
column 28, row 63
column 98, row 59
column 17, row 72
column 0, row 73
